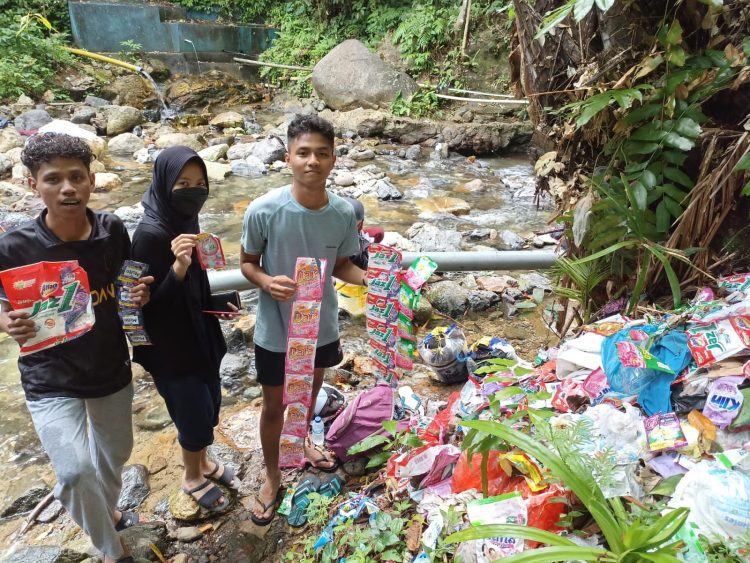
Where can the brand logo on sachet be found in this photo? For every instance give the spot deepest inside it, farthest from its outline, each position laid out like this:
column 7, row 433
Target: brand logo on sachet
column 24, row 284
column 48, row 288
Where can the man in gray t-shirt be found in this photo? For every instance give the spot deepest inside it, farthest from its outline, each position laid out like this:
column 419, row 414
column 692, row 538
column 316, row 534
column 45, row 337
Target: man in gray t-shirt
column 301, row 220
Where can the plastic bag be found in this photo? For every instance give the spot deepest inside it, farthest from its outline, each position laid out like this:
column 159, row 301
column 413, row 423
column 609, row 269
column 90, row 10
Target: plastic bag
column 718, row 499
column 724, row 401
column 469, row 476
column 441, row 350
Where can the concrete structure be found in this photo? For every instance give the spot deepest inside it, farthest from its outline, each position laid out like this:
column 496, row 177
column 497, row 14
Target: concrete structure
column 167, row 32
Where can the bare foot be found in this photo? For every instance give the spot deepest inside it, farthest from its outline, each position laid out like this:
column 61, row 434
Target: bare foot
column 267, row 496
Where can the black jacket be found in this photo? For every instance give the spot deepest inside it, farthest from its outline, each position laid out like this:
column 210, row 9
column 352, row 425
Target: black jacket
column 185, row 340
column 95, row 364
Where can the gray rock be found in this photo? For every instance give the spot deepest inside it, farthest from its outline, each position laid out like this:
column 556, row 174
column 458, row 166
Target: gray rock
column 486, row 138
column 225, row 140
column 362, row 122
column 240, row 151
column 84, row 115
column 361, row 154
column 439, row 152
column 234, row 367
column 32, row 120
column 45, row 554
column 352, row 76
column 131, row 215
column 227, row 456
column 430, row 238
column 413, row 152
column 386, row 190
column 122, row 119
column 144, row 155
column 125, row 143
column 481, row 300
column 95, row 102
column 511, row 241
column 250, row 167
column 342, row 149
column 479, row 234
column 187, row 534
column 268, row 150
column 195, row 142
column 51, row 513
column 449, row 298
column 512, row 294
column 214, row 152
column 155, row 417
column 423, row 312
column 139, row 538
column 6, row 165
column 26, row 502
column 508, row 309
column 527, row 282
column 252, row 127
column 135, row 487
column 344, row 179
column 252, row 393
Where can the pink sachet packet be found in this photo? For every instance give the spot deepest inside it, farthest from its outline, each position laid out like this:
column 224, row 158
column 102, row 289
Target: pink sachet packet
column 291, row 451
column 300, row 355
column 209, row 251
column 298, row 388
column 308, row 275
column 305, row 319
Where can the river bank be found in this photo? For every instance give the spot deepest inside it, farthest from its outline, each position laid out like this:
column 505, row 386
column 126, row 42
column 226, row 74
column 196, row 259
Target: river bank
column 425, row 195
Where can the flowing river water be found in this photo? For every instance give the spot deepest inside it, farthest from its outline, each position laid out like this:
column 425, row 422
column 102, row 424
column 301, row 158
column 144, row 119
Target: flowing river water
column 505, row 203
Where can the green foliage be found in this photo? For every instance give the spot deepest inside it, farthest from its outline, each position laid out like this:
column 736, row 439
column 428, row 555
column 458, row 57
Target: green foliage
column 55, row 11
column 424, row 102
column 630, row 536
column 585, row 278
column 386, row 445
column 727, row 551
column 31, row 56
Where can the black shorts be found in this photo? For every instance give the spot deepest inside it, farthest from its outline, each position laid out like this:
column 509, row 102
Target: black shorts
column 270, row 365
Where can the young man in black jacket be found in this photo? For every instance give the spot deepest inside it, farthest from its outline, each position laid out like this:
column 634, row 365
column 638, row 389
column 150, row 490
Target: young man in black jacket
column 79, row 393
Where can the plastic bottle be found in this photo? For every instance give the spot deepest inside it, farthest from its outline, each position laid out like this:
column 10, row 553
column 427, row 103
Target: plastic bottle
column 318, row 432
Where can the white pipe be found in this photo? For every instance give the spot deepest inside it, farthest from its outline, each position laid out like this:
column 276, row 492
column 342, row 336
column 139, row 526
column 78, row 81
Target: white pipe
column 273, row 65
column 484, row 101
column 446, row 261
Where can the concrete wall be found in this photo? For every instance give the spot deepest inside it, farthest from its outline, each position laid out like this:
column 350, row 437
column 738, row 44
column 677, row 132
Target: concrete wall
column 102, row 27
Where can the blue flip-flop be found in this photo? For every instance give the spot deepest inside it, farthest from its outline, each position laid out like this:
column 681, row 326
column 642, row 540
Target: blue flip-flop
column 301, row 500
column 330, row 485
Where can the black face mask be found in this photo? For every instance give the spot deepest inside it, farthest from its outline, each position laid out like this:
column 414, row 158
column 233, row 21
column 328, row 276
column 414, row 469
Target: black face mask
column 189, row 201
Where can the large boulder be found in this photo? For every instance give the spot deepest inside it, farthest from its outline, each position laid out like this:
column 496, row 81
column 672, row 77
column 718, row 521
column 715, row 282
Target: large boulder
column 97, row 144
column 32, row 120
column 217, row 171
column 268, row 150
column 125, row 143
column 228, row 119
column 130, row 90
column 214, row 152
column 250, row 167
column 430, row 238
column 486, row 138
column 352, row 76
column 121, row 119
column 9, row 139
column 409, row 131
column 175, row 139
column 363, row 122
column 449, row 298
column 107, row 182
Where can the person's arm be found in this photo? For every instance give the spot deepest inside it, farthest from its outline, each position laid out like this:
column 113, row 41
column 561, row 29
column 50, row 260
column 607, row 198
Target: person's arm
column 281, row 288
column 167, row 288
column 17, row 324
column 347, row 272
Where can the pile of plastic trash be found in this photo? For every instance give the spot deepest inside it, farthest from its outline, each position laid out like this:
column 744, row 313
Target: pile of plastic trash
column 661, row 399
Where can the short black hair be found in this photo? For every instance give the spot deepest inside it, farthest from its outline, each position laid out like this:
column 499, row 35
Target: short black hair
column 302, row 124
column 45, row 147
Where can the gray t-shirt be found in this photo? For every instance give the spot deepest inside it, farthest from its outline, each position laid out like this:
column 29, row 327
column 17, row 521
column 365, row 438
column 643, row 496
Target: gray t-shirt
column 280, row 230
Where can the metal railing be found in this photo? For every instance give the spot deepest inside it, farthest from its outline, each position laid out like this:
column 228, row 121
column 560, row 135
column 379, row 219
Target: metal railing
column 446, row 261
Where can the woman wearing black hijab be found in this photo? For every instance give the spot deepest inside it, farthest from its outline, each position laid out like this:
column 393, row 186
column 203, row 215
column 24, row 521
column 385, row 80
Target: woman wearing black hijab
column 188, row 344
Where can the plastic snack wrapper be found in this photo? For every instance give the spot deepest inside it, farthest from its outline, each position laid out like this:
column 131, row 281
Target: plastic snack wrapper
column 300, row 355
column 382, row 282
column 296, row 419
column 57, row 297
column 382, row 333
column 381, row 308
column 384, row 257
column 130, row 312
column 724, row 400
column 419, row 272
column 664, row 432
column 209, row 251
column 737, row 282
column 291, row 451
column 509, row 508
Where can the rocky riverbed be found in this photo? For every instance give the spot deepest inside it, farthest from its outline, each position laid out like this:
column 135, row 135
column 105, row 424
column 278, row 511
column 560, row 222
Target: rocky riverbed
column 434, row 186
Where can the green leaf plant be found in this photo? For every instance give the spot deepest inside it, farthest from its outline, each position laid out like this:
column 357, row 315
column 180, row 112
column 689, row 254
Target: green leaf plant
column 628, row 537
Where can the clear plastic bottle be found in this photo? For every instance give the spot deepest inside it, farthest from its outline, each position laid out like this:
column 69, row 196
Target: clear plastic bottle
column 318, row 432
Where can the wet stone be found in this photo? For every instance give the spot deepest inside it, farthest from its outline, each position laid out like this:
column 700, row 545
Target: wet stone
column 45, row 554
column 154, row 418
column 135, row 487
column 184, row 507
column 32, row 120
column 449, row 298
column 508, row 309
column 227, row 456
column 139, row 539
column 26, row 502
column 187, row 534
column 528, row 282
column 96, row 102
column 252, row 393
column 481, row 300
column 234, row 367
column 512, row 294
column 84, row 115
column 50, row 513
column 413, row 152
column 511, row 241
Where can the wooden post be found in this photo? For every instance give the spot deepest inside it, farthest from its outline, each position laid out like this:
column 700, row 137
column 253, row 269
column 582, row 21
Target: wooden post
column 466, row 28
